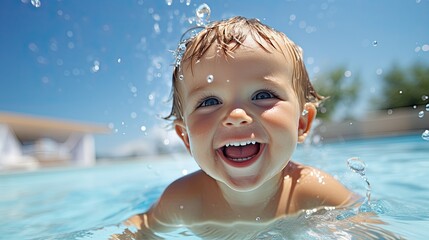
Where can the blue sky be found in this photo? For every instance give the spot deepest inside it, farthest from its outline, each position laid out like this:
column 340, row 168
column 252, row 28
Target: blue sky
column 108, row 62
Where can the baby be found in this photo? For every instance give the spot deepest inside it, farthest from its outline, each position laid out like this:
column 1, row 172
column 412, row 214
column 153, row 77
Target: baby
column 242, row 100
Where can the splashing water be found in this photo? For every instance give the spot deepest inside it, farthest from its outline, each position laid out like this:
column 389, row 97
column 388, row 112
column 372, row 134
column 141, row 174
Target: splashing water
column 425, row 135
column 178, row 54
column 202, row 19
column 36, row 3
column 358, row 166
column 202, row 14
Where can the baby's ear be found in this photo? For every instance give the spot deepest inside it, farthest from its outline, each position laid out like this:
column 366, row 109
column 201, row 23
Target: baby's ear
column 181, row 131
column 305, row 121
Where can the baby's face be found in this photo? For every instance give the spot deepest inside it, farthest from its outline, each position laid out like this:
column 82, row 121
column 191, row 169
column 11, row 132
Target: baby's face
column 241, row 114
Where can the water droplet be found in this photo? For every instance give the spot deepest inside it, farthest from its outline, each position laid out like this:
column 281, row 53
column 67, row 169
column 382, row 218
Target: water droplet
column 69, row 34
column 374, row 43
column 45, row 80
column 210, row 78
column 304, row 112
column 184, row 171
column 400, row 92
column 347, row 73
column 33, row 47
column 156, row 28
column 119, row 60
column 181, row 77
column 143, row 128
column 96, row 67
column 379, row 71
column 181, row 207
column 425, row 135
column 427, row 107
column 257, row 218
column 36, row 3
column 421, row 114
column 169, row 2
column 356, row 165
column 203, row 14
column 424, row 97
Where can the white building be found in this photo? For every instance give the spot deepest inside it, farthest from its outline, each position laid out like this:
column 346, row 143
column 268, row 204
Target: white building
column 28, row 142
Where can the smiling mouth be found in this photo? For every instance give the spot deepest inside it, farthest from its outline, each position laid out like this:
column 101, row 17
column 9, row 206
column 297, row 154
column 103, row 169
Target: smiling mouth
column 240, row 154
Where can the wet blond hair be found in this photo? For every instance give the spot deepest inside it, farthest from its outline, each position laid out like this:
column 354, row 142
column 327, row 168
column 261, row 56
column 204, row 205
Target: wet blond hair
column 229, row 35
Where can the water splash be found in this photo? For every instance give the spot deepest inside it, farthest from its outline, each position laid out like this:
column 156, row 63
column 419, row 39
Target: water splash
column 358, row 166
column 178, row 54
column 36, row 3
column 202, row 19
column 181, row 47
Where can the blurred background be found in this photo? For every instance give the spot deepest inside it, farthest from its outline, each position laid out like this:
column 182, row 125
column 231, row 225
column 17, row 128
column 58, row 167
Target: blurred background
column 109, row 63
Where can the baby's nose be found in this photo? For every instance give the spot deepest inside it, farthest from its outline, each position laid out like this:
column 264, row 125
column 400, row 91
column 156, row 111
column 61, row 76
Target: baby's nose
column 237, row 117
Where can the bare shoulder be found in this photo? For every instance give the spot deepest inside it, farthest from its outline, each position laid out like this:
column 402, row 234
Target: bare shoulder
column 178, row 205
column 316, row 188
column 181, row 198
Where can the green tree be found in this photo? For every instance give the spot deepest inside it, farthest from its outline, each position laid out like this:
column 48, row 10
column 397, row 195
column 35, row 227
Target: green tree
column 339, row 89
column 404, row 87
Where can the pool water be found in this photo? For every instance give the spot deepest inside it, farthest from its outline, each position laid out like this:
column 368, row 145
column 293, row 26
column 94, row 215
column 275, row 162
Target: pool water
column 91, row 203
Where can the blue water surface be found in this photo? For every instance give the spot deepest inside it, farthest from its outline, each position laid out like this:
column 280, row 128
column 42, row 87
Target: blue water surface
column 91, row 203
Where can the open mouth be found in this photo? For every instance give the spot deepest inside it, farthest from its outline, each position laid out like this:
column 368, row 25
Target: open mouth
column 240, row 154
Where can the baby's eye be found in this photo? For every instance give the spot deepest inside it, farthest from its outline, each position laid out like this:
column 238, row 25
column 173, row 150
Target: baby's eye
column 209, row 102
column 264, row 94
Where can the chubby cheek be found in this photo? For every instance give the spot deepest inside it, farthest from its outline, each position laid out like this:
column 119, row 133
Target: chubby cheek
column 200, row 130
column 284, row 117
column 283, row 120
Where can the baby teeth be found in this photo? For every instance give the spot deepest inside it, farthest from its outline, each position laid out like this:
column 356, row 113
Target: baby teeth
column 237, row 144
column 240, row 159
